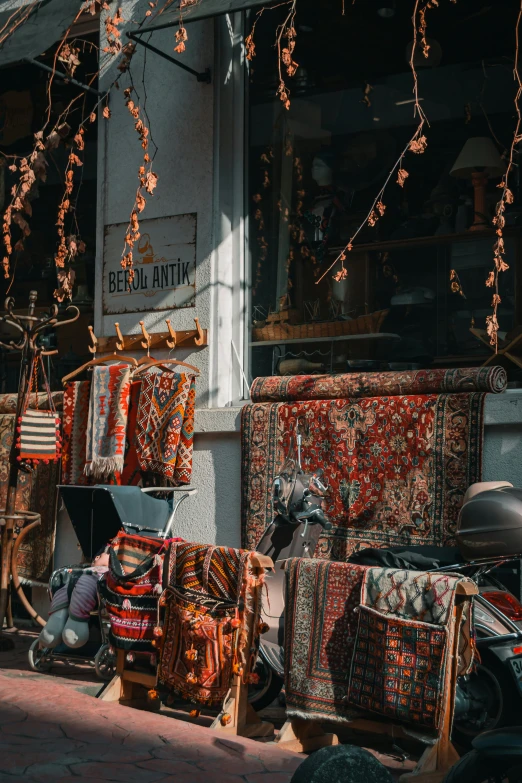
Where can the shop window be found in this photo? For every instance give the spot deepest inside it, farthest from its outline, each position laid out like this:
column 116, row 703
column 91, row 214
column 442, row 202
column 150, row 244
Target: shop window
column 315, row 169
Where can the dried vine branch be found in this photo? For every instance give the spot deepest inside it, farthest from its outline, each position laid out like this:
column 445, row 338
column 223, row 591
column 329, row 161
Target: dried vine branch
column 499, row 221
column 417, row 144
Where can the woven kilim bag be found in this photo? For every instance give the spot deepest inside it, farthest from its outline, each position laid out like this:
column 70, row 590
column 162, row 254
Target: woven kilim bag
column 211, row 625
column 131, row 589
column 39, row 431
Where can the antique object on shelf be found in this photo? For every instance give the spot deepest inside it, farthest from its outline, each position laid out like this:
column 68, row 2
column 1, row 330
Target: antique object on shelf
column 364, row 324
column 298, row 367
column 479, row 161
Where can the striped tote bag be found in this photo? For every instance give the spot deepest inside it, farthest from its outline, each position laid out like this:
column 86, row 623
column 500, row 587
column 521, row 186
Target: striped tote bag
column 39, row 431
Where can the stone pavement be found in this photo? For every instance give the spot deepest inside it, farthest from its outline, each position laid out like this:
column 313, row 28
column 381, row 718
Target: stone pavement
column 51, row 733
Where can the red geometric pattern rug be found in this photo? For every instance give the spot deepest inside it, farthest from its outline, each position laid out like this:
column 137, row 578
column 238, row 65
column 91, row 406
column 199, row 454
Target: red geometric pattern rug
column 397, row 467
column 165, row 425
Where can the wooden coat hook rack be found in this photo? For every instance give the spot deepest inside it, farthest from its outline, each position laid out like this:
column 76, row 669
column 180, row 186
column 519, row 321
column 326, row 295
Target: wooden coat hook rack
column 187, row 338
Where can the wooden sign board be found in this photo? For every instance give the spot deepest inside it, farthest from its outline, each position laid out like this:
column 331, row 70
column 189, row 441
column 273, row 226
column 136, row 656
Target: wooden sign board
column 164, row 266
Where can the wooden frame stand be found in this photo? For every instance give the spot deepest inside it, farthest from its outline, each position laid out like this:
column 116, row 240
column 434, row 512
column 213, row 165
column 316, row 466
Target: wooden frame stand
column 237, row 718
column 304, row 736
column 130, row 687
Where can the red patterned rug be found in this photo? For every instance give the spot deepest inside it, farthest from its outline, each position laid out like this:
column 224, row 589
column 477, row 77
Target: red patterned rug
column 320, row 630
column 378, row 384
column 398, row 467
column 74, row 445
column 165, row 425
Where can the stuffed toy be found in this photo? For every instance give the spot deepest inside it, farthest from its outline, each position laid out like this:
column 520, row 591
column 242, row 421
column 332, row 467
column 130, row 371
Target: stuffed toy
column 70, row 609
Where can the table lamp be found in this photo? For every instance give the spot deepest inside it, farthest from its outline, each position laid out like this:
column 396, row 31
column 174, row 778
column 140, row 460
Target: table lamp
column 479, row 161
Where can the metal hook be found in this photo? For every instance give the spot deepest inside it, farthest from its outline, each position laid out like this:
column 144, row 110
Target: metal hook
column 148, row 339
column 121, row 345
column 171, row 343
column 200, row 339
column 94, row 347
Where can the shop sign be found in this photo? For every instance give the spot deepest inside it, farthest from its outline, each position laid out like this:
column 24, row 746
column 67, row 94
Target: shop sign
column 164, row 266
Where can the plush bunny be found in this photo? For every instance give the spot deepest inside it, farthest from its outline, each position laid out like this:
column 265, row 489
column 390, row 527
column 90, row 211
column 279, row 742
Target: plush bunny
column 69, row 613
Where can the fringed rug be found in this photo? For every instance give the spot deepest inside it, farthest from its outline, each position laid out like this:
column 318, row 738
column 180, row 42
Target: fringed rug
column 397, row 467
column 36, row 492
column 165, row 425
column 74, row 444
column 378, row 384
column 320, row 631
column 107, row 424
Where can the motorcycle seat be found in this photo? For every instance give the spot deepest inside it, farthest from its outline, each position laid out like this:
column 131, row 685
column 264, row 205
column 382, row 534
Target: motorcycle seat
column 500, row 741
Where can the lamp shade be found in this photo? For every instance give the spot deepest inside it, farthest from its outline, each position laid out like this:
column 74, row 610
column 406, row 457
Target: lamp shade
column 478, row 154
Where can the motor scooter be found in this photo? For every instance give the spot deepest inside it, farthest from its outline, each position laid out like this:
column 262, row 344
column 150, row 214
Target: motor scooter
column 488, row 698
column 496, row 757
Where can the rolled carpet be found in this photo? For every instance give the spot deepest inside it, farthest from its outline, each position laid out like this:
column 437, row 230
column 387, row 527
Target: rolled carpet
column 378, row 384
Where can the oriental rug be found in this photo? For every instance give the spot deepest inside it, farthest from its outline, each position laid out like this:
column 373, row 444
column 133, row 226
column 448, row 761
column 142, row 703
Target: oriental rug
column 107, row 423
column 397, row 467
column 165, row 425
column 74, row 444
column 320, row 630
column 131, row 475
column 36, row 492
column 401, row 650
column 211, row 628
column 378, row 384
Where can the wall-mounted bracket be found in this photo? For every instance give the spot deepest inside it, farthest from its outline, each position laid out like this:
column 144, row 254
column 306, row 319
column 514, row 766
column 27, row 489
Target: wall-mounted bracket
column 204, row 76
column 64, row 77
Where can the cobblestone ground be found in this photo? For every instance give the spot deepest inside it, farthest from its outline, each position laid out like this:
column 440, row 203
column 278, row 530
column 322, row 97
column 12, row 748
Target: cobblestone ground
column 50, row 732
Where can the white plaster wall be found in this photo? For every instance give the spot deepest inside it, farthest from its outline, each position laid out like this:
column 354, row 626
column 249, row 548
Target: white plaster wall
column 180, row 111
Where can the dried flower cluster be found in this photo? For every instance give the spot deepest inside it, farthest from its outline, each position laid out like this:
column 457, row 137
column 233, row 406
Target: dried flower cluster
column 113, row 35
column 147, row 183
column 69, row 246
column 285, row 62
column 285, row 44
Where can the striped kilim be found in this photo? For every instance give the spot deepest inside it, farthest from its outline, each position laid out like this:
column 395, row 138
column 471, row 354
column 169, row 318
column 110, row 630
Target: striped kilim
column 74, row 446
column 39, row 431
column 218, row 571
column 165, row 425
column 108, row 411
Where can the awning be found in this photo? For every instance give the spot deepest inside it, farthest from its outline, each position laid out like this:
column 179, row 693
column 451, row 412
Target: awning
column 36, row 27
column 201, row 9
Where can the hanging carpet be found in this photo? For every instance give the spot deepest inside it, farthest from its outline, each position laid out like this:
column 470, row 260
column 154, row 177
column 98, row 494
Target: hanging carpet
column 402, row 645
column 211, row 627
column 320, row 631
column 397, row 467
column 165, row 425
column 74, row 445
column 107, row 421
